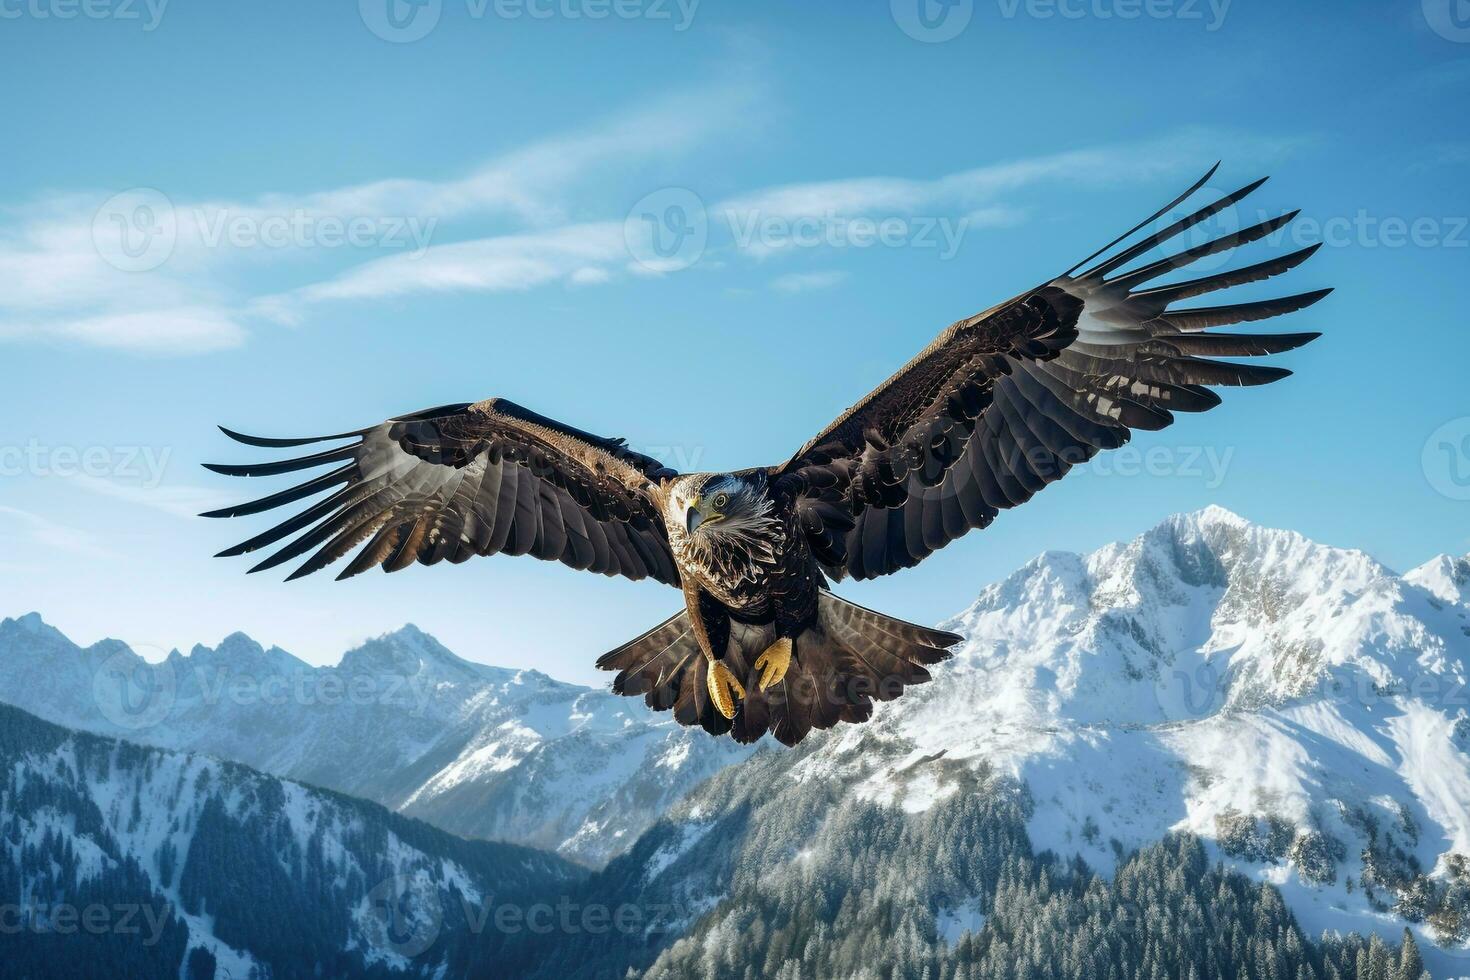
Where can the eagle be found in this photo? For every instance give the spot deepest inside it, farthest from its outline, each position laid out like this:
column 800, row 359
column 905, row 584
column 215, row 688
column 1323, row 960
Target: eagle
column 998, row 406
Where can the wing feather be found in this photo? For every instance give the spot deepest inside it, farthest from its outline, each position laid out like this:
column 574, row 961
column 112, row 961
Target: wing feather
column 460, row 480
column 1006, row 402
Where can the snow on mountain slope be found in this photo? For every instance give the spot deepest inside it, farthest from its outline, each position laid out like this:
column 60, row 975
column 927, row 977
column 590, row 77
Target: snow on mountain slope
column 1301, row 706
column 1446, row 578
column 262, row 874
column 477, row 750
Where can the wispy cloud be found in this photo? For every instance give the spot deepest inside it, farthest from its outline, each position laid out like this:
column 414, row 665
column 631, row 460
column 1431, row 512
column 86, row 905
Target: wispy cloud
column 177, row 501
column 802, row 282
column 48, row 534
column 142, row 272
column 977, row 187
column 1435, row 157
column 180, row 330
column 579, row 254
column 149, row 275
column 854, row 212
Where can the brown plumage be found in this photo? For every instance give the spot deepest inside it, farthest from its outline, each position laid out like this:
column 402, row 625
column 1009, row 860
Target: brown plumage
column 999, row 406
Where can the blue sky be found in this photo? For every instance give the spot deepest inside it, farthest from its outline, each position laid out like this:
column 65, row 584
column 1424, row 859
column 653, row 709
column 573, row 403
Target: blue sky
column 346, row 220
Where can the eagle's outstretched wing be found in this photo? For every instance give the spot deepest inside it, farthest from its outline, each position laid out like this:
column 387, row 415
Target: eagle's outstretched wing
column 1009, row 400
column 464, row 480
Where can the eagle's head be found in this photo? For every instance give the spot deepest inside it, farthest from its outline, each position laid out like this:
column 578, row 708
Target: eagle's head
column 721, row 506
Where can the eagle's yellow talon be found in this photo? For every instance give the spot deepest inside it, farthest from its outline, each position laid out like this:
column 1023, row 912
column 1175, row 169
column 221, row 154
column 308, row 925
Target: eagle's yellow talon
column 724, row 689
column 774, row 662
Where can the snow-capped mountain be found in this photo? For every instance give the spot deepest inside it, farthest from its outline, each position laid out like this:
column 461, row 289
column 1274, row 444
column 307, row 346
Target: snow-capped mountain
column 1301, row 708
column 122, row 860
column 480, row 751
column 1446, row 578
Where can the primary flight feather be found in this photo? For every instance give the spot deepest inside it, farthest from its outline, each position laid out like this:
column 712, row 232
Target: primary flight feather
column 1001, row 404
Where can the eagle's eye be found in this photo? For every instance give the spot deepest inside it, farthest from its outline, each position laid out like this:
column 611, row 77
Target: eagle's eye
column 720, row 501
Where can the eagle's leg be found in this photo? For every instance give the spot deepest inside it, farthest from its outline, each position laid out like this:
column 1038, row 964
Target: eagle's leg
column 795, row 602
column 774, row 662
column 724, row 688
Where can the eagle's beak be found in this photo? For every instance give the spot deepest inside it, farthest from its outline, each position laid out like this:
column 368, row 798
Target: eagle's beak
column 693, row 518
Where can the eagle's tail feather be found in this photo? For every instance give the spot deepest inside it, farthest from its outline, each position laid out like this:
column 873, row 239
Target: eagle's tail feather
column 850, row 658
column 654, row 664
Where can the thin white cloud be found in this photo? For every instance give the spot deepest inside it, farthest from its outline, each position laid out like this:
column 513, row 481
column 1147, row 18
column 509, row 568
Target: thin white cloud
column 1436, row 157
column 177, row 501
column 56, row 281
column 47, row 534
column 190, row 330
column 978, row 189
column 939, row 212
column 589, row 276
column 153, row 275
column 506, row 262
column 935, row 213
column 802, row 282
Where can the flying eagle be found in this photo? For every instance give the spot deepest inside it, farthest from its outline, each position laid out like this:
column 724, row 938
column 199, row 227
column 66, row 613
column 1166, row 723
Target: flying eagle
column 1001, row 404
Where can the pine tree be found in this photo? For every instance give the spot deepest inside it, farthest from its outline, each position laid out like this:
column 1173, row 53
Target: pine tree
column 1411, row 964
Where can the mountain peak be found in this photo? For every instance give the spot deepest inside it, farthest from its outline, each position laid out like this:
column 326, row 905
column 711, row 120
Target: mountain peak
column 31, row 622
column 31, row 626
column 1445, row 577
column 1214, row 514
column 406, row 651
column 239, row 653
